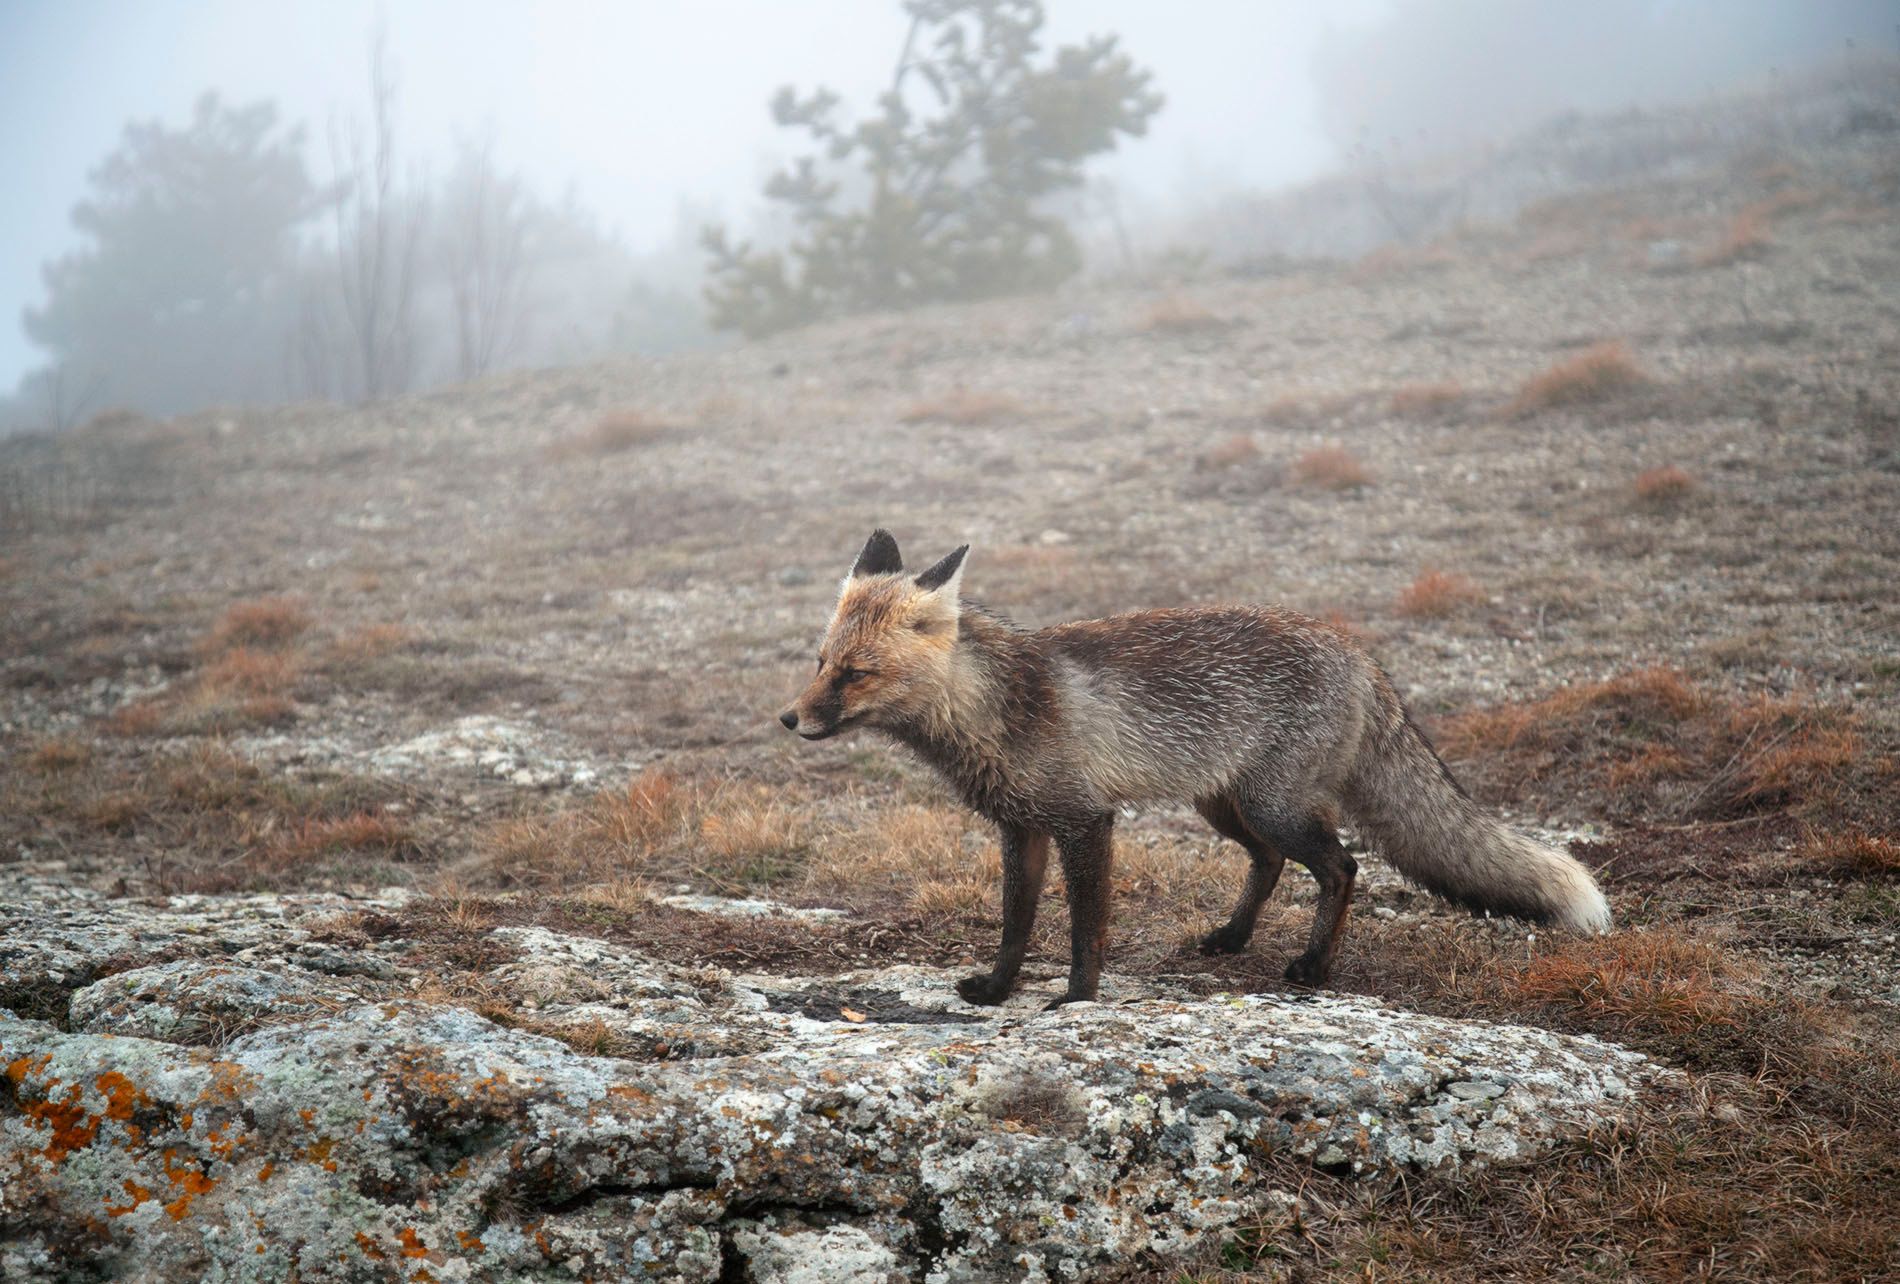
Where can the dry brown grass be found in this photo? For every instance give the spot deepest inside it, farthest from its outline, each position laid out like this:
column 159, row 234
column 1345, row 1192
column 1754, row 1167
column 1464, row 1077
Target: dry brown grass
column 1426, row 400
column 613, row 433
column 204, row 819
column 1390, row 261
column 1654, row 980
column 1748, row 234
column 616, row 834
column 264, row 622
column 964, row 407
column 1179, row 314
column 1331, row 468
column 1230, row 452
column 1650, row 744
column 361, row 646
column 1745, row 239
column 1437, row 595
column 357, row 832
column 1663, row 487
column 61, row 754
column 1853, row 851
column 1594, row 375
column 746, row 840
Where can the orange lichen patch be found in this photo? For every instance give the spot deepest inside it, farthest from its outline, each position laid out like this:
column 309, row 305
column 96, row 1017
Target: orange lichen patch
column 228, row 1081
column 191, row 1182
column 370, row 1250
column 318, row 1152
column 71, row 1125
column 139, row 1195
column 470, row 1242
column 263, row 1174
column 121, row 1094
column 412, row 1245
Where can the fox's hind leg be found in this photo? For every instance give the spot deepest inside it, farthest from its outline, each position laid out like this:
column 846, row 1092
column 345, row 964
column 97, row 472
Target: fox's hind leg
column 1263, row 872
column 1310, row 840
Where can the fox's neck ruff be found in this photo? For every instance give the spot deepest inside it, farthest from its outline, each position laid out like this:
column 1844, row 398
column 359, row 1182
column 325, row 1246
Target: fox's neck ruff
column 964, row 732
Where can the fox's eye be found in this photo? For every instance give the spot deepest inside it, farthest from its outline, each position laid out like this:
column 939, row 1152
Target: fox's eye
column 847, row 676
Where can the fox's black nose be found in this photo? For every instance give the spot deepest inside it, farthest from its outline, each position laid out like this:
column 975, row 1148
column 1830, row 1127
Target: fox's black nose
column 790, row 719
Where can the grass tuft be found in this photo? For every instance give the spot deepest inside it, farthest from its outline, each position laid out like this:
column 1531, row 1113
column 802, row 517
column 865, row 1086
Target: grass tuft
column 1437, row 595
column 1592, row 376
column 1331, row 468
column 1426, row 400
column 965, row 408
column 614, row 433
column 1663, row 487
column 264, row 622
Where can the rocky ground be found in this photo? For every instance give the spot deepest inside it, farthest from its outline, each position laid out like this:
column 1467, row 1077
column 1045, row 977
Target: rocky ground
column 432, row 738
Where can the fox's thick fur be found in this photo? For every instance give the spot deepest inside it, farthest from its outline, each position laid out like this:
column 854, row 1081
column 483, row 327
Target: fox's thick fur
column 1273, row 725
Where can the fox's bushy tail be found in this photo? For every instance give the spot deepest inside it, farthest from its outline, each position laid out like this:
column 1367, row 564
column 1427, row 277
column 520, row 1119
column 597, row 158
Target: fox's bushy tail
column 1415, row 815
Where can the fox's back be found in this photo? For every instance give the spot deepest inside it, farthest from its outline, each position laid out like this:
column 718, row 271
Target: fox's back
column 1177, row 704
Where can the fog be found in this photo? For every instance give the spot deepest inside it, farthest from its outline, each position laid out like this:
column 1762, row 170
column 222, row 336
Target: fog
column 627, row 126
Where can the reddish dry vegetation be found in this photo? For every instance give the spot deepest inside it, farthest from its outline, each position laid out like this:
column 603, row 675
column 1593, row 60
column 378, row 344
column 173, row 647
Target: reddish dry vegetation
column 1594, row 375
column 1229, row 453
column 262, row 622
column 1663, row 487
column 1437, row 595
column 963, row 407
column 1390, row 261
column 1748, row 233
column 613, row 433
column 1331, row 468
column 1779, row 1161
column 1422, row 400
column 1650, row 745
column 208, row 820
column 1178, row 314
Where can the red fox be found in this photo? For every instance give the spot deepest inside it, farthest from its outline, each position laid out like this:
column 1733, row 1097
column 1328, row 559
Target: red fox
column 1272, row 725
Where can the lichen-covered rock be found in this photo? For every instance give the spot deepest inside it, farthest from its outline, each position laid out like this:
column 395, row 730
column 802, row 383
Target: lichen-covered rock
column 195, row 1001
column 868, row 1126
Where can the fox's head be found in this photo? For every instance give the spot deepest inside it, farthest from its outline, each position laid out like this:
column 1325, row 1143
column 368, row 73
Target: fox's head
column 887, row 651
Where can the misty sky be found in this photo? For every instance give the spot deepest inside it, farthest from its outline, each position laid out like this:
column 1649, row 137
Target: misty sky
column 637, row 104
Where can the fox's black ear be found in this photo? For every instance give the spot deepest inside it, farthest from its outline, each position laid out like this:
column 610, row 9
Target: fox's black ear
column 943, row 572
column 880, row 555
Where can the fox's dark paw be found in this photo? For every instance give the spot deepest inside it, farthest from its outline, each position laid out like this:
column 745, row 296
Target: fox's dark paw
column 1065, row 998
column 1308, row 971
column 1223, row 940
column 982, row 989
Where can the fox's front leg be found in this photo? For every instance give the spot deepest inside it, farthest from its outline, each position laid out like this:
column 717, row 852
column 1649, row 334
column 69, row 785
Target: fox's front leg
column 1025, row 859
column 1088, row 856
